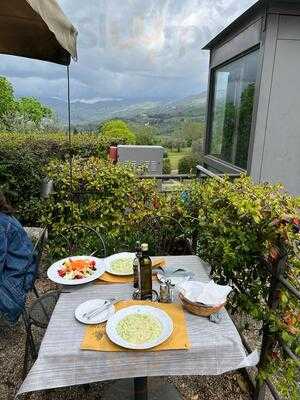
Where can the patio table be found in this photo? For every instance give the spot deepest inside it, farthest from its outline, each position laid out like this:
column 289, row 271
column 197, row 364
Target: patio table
column 215, row 348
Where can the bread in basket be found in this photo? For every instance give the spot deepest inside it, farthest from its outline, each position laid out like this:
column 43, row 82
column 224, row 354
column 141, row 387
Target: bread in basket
column 203, row 299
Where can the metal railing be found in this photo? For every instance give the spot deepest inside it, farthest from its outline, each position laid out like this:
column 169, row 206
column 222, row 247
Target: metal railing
column 268, row 337
column 167, row 177
column 204, row 173
column 276, row 271
column 168, row 183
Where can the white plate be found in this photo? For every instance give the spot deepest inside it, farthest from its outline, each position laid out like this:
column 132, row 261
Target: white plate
column 163, row 317
column 91, row 305
column 53, row 271
column 114, row 257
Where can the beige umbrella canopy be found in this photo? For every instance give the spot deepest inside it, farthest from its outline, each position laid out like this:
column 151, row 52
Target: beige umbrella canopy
column 36, row 29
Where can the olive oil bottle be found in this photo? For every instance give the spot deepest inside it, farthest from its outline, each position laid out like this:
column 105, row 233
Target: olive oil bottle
column 136, row 262
column 145, row 269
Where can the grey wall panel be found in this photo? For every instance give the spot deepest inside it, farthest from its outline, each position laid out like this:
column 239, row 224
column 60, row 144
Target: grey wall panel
column 247, row 38
column 269, row 51
column 289, row 27
column 285, row 8
column 281, row 158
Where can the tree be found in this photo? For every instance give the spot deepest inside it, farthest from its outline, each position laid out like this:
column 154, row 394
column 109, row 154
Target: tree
column 197, row 147
column 118, row 131
column 179, row 143
column 7, row 100
column 32, row 110
column 24, row 114
column 190, row 131
column 146, row 135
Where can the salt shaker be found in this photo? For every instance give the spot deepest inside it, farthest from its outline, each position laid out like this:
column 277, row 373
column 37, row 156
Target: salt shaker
column 171, row 290
column 164, row 292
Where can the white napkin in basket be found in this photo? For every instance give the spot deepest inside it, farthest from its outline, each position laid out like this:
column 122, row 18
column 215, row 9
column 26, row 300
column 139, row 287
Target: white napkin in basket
column 209, row 293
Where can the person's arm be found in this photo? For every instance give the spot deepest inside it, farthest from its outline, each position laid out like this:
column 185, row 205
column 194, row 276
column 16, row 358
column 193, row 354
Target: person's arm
column 20, row 262
column 3, row 248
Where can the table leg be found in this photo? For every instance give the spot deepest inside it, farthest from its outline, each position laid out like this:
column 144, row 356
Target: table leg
column 141, row 388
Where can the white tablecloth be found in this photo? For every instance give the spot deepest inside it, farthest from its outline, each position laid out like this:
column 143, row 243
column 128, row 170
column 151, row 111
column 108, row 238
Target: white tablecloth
column 215, row 348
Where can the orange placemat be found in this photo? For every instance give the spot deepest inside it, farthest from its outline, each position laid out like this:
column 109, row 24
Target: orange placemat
column 95, row 337
column 109, row 278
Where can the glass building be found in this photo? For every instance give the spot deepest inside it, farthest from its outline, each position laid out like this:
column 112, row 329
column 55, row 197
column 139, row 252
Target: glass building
column 253, row 111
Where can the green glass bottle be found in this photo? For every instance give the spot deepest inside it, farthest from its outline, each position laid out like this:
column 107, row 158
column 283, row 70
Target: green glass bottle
column 145, row 274
column 136, row 262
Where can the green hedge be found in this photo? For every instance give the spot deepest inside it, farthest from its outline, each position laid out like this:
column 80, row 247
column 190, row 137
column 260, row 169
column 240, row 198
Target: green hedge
column 112, row 199
column 23, row 158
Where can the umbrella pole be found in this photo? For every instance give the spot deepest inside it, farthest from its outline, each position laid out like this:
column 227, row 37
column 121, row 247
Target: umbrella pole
column 70, row 144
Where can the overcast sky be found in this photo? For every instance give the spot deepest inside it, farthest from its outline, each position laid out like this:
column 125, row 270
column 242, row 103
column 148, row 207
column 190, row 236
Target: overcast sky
column 130, row 49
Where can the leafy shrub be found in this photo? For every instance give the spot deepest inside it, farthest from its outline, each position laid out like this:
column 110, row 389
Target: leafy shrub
column 111, row 197
column 23, row 158
column 117, row 131
column 187, row 164
column 240, row 224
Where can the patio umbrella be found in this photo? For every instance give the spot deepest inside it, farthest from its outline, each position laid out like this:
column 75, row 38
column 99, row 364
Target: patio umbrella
column 37, row 29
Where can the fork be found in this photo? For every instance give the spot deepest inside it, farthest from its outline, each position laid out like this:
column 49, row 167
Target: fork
column 97, row 310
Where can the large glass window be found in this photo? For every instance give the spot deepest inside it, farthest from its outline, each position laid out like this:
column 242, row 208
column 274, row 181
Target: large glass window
column 234, row 86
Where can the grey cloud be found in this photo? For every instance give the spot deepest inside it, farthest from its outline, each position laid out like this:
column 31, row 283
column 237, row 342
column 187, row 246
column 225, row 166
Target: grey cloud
column 130, row 49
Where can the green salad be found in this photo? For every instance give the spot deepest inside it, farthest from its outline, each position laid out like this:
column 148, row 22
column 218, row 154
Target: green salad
column 139, row 328
column 122, row 266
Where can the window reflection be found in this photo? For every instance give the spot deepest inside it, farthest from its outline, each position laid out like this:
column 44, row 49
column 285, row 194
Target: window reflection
column 234, row 88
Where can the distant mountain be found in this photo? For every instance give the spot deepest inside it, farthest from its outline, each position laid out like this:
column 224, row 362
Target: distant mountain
column 92, row 112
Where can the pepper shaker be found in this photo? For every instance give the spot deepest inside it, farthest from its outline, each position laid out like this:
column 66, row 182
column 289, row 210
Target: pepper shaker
column 163, row 293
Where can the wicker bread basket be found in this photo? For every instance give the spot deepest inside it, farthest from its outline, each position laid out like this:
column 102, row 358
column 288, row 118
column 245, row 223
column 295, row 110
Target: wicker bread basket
column 197, row 308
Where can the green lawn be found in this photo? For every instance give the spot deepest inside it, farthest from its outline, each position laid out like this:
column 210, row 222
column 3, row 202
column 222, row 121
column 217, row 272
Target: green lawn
column 174, row 156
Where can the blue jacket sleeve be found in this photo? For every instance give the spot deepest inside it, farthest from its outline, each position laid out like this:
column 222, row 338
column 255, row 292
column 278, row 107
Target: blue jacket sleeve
column 12, row 300
column 3, row 250
column 20, row 262
column 17, row 267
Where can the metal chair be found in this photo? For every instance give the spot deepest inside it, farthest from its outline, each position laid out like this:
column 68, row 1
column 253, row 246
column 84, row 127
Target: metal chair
column 38, row 314
column 78, row 239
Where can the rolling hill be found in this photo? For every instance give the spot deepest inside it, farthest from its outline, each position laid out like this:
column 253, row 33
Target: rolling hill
column 85, row 113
